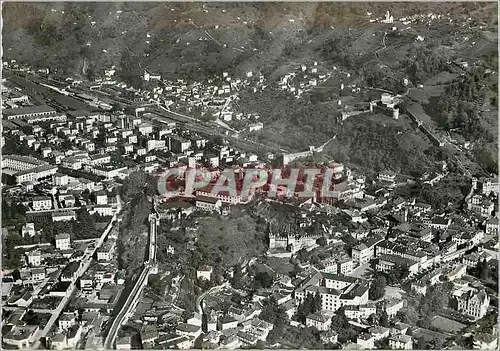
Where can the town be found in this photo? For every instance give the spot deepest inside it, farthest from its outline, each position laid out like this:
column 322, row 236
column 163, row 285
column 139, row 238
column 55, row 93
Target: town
column 100, row 252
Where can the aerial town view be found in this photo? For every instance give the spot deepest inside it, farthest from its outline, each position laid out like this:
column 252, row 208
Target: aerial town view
column 259, row 175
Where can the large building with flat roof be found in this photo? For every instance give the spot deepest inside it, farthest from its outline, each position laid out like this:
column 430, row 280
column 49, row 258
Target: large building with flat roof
column 31, row 111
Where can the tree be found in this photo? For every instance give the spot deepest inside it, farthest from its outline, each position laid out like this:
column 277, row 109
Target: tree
column 321, row 241
column 85, row 226
column 377, row 288
column 384, row 319
column 311, row 304
column 276, row 315
column 484, row 270
column 341, row 325
column 237, row 279
column 264, row 279
column 116, row 106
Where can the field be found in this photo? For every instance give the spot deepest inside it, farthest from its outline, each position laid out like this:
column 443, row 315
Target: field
column 230, row 240
column 447, row 325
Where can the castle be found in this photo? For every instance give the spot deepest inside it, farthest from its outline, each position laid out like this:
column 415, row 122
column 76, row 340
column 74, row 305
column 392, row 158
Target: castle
column 290, row 238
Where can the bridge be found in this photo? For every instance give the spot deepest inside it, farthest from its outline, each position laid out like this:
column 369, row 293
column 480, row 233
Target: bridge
column 150, row 267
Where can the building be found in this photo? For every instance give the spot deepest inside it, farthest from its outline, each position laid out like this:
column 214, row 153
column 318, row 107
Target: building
column 483, row 341
column 486, row 185
column 34, row 258
column 321, row 320
column 30, row 112
column 473, row 303
column 99, row 159
column 178, row 144
column 41, row 203
column 188, row 330
column 204, row 273
column 63, row 241
column 105, row 252
column 393, row 306
column 21, row 336
column 365, row 251
column 101, row 198
column 366, row 341
column 379, row 332
column 67, row 320
column 207, row 203
column 387, row 176
column 28, row 230
column 400, row 342
column 123, row 343
column 492, row 226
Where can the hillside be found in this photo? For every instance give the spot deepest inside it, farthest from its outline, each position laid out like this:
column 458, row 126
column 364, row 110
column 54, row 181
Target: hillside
column 183, row 38
column 347, row 41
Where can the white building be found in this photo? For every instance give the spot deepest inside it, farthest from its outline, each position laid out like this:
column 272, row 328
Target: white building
column 204, row 273
column 28, row 230
column 42, row 203
column 320, row 320
column 63, row 242
column 400, row 342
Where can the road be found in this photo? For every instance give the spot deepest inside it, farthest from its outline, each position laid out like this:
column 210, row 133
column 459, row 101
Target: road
column 85, row 264
column 199, row 299
column 149, row 267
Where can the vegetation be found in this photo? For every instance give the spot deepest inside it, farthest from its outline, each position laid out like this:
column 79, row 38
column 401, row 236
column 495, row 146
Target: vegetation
column 341, row 325
column 450, row 189
column 274, row 314
column 423, row 63
column 377, row 288
column 311, row 304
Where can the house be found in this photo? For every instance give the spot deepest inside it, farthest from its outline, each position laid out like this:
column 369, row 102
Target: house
column 321, row 320
column 188, row 330
column 195, row 319
column 366, row 341
column 492, row 226
column 440, row 222
column 204, row 272
column 28, row 230
column 41, row 203
column 105, row 252
column 484, row 341
column 34, row 258
column 149, row 334
column 290, row 308
column 473, row 303
column 379, row 332
column 59, row 341
column 123, row 343
column 393, row 306
column 21, row 336
column 227, row 322
column 400, row 342
column 175, row 341
column 67, row 320
column 38, row 274
column 365, row 251
column 359, row 312
column 387, row 176
column 63, row 241
column 74, row 335
column 207, row 203
column 64, row 215
column 246, row 338
column 101, row 198
column 259, row 328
